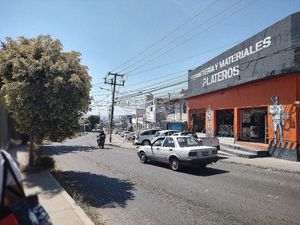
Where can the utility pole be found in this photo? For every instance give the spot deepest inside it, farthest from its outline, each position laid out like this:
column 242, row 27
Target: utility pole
column 113, row 82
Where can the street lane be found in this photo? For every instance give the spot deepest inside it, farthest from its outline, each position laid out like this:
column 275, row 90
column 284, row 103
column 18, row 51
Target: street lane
column 123, row 191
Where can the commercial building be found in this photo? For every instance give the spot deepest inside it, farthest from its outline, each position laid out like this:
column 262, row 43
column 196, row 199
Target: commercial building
column 251, row 92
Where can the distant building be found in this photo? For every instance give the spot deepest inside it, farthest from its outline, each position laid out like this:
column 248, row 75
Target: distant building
column 155, row 111
column 125, row 121
column 176, row 112
column 138, row 120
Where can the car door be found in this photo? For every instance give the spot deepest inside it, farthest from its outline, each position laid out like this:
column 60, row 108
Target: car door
column 156, row 149
column 167, row 149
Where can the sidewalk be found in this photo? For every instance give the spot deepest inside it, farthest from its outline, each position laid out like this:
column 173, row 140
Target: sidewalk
column 60, row 206
column 265, row 162
column 119, row 141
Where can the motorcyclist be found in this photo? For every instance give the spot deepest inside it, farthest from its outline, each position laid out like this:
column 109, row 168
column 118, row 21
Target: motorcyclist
column 101, row 139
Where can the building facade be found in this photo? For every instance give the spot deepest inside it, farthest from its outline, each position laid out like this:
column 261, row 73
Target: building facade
column 176, row 112
column 138, row 120
column 155, row 112
column 251, row 93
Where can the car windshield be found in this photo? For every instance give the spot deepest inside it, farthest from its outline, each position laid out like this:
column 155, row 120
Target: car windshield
column 188, row 142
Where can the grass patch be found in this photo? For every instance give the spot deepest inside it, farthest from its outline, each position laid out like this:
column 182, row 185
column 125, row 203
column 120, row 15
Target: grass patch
column 90, row 211
column 78, row 198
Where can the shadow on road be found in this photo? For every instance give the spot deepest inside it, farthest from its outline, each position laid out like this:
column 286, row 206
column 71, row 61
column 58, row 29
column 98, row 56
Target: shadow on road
column 207, row 171
column 63, row 149
column 96, row 190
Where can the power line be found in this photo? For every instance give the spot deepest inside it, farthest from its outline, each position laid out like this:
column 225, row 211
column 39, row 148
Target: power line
column 162, row 76
column 150, row 90
column 168, row 81
column 175, row 40
column 183, row 59
column 165, row 36
column 161, row 84
column 192, row 37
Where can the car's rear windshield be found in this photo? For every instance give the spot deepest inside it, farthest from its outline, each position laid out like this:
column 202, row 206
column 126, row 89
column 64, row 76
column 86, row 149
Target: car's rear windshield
column 185, row 142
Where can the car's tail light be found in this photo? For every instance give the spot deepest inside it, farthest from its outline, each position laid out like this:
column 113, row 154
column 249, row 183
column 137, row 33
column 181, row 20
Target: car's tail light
column 192, row 153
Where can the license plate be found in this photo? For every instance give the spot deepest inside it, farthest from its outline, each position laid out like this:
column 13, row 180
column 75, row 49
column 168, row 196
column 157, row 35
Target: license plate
column 205, row 153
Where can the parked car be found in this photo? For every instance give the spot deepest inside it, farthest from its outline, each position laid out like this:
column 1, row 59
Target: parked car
column 177, row 151
column 122, row 134
column 204, row 140
column 163, row 133
column 130, row 136
column 144, row 137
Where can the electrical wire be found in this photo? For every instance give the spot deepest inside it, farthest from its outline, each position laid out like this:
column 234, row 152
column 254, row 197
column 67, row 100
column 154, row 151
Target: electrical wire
column 177, row 39
column 181, row 78
column 166, row 35
column 192, row 37
column 182, row 59
column 151, row 90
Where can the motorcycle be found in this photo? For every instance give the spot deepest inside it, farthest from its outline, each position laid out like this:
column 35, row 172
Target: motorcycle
column 101, row 140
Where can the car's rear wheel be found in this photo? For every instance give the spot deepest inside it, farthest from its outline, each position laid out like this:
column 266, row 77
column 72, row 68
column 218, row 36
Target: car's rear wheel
column 143, row 158
column 174, row 164
column 146, row 142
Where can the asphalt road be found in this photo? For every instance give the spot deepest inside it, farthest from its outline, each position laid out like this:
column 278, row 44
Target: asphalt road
column 124, row 191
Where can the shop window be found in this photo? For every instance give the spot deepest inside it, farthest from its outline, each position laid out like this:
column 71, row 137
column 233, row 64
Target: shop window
column 224, row 119
column 198, row 120
column 253, row 124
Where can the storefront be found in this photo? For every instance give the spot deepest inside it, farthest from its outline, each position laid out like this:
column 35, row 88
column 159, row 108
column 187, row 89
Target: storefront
column 197, row 120
column 253, row 90
column 254, row 124
column 224, row 123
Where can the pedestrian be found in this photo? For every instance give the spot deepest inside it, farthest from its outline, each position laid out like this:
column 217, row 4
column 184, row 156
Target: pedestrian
column 101, row 139
column 8, row 188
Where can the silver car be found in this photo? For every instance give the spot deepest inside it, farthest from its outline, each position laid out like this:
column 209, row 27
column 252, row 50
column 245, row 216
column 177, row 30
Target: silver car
column 203, row 138
column 177, row 151
column 144, row 137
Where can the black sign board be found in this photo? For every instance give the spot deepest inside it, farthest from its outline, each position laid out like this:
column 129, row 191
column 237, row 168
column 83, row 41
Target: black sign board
column 271, row 52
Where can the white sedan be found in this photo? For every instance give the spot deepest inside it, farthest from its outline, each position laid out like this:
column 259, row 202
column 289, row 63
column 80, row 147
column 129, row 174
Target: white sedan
column 178, row 151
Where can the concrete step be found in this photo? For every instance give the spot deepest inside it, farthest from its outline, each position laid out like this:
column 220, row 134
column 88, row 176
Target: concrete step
column 236, row 152
column 245, row 149
column 224, row 154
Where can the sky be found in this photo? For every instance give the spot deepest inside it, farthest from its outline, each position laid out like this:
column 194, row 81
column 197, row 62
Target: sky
column 169, row 37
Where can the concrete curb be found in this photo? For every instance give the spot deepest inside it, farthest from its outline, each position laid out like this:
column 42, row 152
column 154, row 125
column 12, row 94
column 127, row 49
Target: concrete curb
column 79, row 211
column 120, row 146
column 22, row 159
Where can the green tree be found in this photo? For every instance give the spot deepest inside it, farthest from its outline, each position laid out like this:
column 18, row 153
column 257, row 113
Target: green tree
column 45, row 89
column 94, row 119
